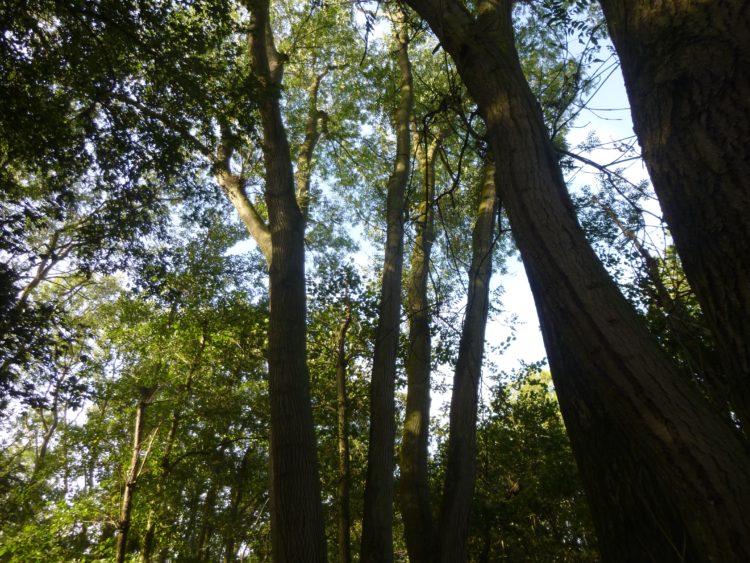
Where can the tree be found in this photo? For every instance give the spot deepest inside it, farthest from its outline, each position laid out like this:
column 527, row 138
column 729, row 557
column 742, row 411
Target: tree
column 682, row 63
column 608, row 371
column 377, row 523
column 415, row 500
column 458, row 488
column 529, row 501
column 133, row 473
column 83, row 182
column 297, row 527
column 128, row 130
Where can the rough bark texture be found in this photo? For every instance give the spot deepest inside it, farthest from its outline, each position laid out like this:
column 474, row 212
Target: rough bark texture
column 690, row 334
column 460, row 472
column 686, row 65
column 296, row 512
column 415, row 503
column 344, row 481
column 377, row 521
column 608, row 371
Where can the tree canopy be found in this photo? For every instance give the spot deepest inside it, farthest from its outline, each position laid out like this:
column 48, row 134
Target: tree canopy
column 246, row 247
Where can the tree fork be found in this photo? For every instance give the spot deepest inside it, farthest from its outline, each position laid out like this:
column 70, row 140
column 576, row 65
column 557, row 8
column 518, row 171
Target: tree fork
column 296, row 512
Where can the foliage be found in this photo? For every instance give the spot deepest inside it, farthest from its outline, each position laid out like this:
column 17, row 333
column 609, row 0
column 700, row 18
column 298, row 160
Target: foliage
column 121, row 275
column 529, row 505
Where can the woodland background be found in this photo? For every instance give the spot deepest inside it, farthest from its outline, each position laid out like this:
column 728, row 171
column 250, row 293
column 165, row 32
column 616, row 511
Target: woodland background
column 173, row 392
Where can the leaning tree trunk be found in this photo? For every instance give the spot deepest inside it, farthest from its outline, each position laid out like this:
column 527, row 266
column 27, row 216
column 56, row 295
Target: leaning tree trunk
column 377, row 520
column 416, row 508
column 608, row 370
column 296, row 511
column 460, row 471
column 686, row 66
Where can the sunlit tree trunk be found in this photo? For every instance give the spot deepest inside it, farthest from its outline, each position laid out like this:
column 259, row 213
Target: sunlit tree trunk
column 377, row 521
column 608, row 370
column 686, row 66
column 460, row 471
column 415, row 503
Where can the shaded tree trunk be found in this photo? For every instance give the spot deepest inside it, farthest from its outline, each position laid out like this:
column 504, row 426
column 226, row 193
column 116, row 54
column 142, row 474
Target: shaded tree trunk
column 686, row 66
column 296, row 511
column 416, row 508
column 460, row 472
column 377, row 521
column 608, row 371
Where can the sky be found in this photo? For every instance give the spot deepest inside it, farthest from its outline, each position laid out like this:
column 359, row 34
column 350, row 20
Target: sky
column 608, row 117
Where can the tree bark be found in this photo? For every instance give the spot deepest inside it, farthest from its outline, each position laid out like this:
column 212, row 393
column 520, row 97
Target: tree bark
column 377, row 521
column 686, row 66
column 460, row 472
column 608, row 371
column 690, row 333
column 416, row 507
column 296, row 511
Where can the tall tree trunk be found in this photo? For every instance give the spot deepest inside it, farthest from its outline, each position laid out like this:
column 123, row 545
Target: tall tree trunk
column 691, row 334
column 344, row 480
column 131, row 477
column 460, row 472
column 608, row 371
column 377, row 521
column 296, row 511
column 686, row 66
column 416, row 508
